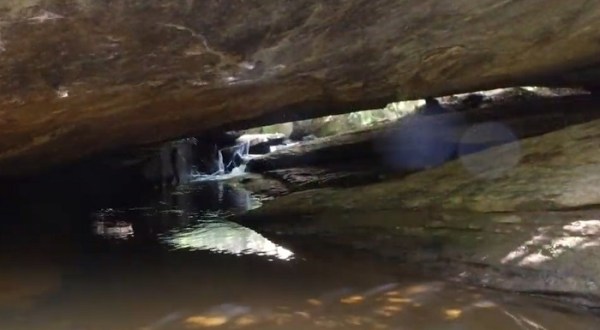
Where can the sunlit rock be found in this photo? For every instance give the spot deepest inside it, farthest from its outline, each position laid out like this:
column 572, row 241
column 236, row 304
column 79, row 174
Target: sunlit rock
column 559, row 170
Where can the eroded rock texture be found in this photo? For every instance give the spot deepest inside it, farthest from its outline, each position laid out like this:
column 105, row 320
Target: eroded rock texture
column 80, row 77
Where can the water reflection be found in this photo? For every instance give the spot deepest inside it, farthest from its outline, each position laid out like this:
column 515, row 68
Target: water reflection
column 167, row 277
column 224, row 237
column 193, row 217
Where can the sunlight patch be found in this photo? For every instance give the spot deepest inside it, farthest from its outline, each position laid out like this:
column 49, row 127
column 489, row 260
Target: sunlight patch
column 225, row 237
column 452, row 314
column 577, row 235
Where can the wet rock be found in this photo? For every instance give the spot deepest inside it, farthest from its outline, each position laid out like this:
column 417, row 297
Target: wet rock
column 170, row 163
column 346, row 147
column 284, row 129
column 260, row 144
column 345, row 123
column 261, row 185
column 304, row 178
column 127, row 74
column 433, row 107
column 484, row 99
column 326, row 126
column 309, row 138
column 555, row 171
column 551, row 254
column 420, row 141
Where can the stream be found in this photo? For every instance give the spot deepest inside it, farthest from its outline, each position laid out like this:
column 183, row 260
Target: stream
column 175, row 260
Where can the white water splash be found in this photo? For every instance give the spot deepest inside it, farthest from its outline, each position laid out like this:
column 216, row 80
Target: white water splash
column 219, row 176
column 221, row 164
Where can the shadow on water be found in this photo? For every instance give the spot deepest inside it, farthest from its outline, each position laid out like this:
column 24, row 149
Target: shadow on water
column 173, row 260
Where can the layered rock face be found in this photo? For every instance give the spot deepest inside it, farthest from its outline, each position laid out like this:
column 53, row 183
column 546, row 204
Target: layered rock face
column 81, row 77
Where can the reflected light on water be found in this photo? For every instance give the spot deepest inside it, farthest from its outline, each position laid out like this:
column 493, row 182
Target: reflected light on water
column 225, row 237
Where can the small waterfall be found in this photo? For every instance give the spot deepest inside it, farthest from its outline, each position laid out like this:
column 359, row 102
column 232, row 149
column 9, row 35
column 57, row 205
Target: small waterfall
column 220, row 162
column 231, row 162
column 239, row 154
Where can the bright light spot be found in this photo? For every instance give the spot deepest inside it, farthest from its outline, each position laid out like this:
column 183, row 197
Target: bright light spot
column 417, row 289
column 396, row 300
column 584, row 227
column 388, row 311
column 62, row 93
column 304, row 315
column 452, row 314
column 226, row 237
column 543, row 247
column 246, row 320
column 247, row 65
column 230, row 79
column 352, row 300
column 314, row 302
column 202, row 321
column 235, row 172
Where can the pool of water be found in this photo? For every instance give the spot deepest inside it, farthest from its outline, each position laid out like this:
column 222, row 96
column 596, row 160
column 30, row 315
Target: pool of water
column 177, row 261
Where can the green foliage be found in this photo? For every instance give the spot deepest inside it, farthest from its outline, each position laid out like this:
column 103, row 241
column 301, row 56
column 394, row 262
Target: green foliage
column 338, row 124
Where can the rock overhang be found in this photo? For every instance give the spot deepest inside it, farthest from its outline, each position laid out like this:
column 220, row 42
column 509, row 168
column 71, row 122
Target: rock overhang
column 82, row 77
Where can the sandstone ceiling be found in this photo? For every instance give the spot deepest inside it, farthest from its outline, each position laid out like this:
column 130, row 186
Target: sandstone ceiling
column 80, row 77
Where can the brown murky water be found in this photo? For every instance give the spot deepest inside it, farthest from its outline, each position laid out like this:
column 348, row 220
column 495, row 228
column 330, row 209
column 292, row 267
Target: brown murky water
column 178, row 263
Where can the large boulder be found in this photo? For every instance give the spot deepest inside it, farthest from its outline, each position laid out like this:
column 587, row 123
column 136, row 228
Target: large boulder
column 81, row 77
column 555, row 171
column 418, row 140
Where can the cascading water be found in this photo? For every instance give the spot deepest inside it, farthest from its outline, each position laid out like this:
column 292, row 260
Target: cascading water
column 239, row 154
column 231, row 163
column 221, row 163
column 191, row 160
